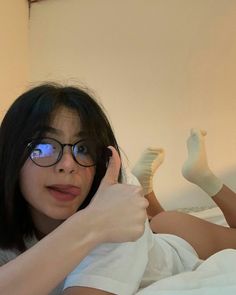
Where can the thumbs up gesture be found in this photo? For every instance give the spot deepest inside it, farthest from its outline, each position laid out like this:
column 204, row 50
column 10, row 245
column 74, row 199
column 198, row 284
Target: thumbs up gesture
column 119, row 210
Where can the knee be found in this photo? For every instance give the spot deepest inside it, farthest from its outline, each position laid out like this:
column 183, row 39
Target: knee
column 169, row 222
column 162, row 222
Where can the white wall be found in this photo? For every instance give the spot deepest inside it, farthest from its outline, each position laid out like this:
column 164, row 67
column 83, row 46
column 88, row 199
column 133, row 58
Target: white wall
column 159, row 67
column 14, row 51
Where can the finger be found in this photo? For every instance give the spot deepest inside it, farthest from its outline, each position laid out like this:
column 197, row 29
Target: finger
column 113, row 169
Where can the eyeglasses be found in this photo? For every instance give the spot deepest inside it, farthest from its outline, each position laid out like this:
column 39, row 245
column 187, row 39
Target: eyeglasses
column 46, row 152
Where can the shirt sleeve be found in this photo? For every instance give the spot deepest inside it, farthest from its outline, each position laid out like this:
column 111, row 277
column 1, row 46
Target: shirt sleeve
column 116, row 268
column 7, row 255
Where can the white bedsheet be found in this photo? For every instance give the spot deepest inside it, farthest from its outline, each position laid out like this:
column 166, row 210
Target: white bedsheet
column 215, row 276
column 213, row 215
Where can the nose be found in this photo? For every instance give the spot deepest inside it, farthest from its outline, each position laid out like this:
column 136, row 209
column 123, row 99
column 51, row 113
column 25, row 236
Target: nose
column 67, row 164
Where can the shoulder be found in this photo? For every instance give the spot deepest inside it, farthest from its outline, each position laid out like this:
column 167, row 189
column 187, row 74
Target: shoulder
column 7, row 255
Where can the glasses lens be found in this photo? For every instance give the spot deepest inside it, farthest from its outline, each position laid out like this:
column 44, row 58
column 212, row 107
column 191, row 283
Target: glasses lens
column 84, row 153
column 45, row 152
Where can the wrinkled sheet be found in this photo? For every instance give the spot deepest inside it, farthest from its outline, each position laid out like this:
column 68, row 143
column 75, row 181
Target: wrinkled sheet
column 213, row 215
column 215, row 276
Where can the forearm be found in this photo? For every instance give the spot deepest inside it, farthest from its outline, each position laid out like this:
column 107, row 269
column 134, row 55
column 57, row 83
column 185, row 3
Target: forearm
column 41, row 268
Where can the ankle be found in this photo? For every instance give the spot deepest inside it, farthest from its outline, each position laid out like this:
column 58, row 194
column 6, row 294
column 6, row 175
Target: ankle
column 210, row 183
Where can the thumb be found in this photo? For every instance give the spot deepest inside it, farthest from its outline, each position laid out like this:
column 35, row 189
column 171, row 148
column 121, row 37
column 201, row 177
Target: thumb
column 113, row 169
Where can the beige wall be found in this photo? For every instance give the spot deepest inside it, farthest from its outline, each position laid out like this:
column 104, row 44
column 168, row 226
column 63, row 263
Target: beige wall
column 158, row 66
column 14, row 54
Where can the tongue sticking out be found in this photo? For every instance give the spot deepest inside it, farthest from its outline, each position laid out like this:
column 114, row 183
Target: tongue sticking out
column 64, row 193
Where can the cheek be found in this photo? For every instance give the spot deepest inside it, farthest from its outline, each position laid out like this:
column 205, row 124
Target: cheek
column 88, row 178
column 25, row 178
column 29, row 179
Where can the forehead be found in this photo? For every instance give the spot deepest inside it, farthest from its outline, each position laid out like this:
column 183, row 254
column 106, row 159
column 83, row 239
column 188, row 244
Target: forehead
column 66, row 119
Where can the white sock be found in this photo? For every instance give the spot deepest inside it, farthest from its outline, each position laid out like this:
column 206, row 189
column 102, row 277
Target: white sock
column 146, row 166
column 196, row 169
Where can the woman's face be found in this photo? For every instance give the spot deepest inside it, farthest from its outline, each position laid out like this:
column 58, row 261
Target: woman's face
column 55, row 193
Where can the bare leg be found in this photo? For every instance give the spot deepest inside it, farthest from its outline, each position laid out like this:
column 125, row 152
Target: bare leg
column 205, row 237
column 197, row 171
column 226, row 200
column 144, row 170
column 154, row 207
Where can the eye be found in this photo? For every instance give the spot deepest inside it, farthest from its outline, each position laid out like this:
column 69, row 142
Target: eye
column 84, row 153
column 44, row 148
column 81, row 148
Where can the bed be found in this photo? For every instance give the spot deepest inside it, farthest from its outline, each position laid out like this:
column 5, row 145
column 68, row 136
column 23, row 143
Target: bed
column 211, row 214
column 215, row 276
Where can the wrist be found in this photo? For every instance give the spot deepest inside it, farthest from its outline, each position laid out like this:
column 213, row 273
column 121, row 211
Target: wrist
column 82, row 229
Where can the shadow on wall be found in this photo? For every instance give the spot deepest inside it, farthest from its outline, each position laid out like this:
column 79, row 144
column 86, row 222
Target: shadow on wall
column 194, row 197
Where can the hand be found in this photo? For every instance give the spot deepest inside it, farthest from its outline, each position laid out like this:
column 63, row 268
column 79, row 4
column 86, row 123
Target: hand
column 119, row 210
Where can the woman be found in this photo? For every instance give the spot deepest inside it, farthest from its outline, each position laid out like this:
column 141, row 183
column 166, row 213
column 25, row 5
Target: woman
column 53, row 159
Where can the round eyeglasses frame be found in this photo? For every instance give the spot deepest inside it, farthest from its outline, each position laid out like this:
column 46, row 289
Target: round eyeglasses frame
column 34, row 142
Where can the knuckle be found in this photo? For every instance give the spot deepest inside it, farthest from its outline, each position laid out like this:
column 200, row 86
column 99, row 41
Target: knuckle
column 137, row 230
column 141, row 229
column 146, row 202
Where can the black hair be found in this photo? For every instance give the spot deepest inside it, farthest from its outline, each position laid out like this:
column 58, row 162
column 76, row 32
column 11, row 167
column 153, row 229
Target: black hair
column 27, row 118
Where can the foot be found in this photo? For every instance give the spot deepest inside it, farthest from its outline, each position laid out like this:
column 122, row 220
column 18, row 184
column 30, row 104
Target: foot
column 146, row 167
column 196, row 169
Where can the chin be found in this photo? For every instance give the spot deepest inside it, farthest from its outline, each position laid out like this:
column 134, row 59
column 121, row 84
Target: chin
column 61, row 214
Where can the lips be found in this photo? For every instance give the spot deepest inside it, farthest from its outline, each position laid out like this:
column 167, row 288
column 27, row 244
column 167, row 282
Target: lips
column 64, row 192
